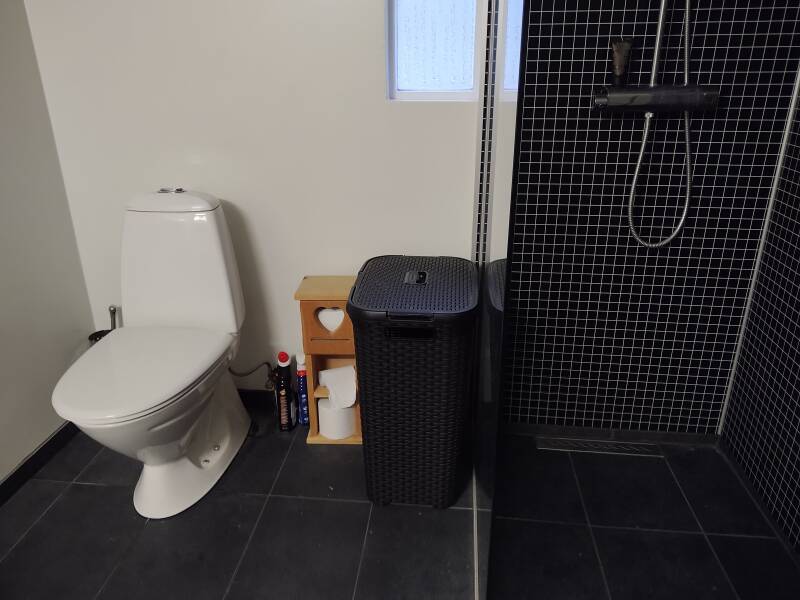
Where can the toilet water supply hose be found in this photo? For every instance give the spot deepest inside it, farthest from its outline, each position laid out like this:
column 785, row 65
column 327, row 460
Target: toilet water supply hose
column 270, row 383
column 648, row 118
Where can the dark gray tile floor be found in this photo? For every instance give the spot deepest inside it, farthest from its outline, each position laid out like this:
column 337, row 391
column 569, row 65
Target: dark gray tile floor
column 394, row 565
column 535, row 486
column 27, row 505
column 287, row 520
column 680, row 525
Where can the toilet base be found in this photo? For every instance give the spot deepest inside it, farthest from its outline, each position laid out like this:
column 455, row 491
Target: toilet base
column 168, row 488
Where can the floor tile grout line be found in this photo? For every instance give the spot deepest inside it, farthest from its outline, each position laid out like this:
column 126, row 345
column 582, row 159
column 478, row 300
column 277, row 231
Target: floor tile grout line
column 476, row 583
column 542, row 521
column 50, row 480
column 413, row 505
column 32, row 525
column 648, row 529
column 358, row 501
column 133, row 542
column 363, row 550
column 258, row 519
column 67, row 485
column 320, row 498
column 88, row 464
column 700, row 525
column 751, row 536
column 603, row 452
column 589, row 524
column 634, row 529
column 566, row 438
column 681, row 532
column 84, row 483
column 766, row 516
column 122, row 558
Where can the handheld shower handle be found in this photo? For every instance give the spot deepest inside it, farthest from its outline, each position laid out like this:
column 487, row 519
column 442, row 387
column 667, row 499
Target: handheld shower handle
column 620, row 54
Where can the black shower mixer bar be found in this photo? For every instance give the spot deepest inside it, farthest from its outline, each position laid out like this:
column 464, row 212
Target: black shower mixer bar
column 653, row 98
column 657, row 99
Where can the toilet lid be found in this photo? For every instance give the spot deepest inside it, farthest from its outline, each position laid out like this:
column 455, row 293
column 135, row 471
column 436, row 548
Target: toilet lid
column 134, row 369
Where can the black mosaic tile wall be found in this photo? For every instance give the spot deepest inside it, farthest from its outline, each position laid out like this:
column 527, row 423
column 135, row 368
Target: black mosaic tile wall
column 602, row 332
column 762, row 424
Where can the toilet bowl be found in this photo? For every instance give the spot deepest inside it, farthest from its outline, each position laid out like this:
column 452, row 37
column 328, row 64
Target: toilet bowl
column 158, row 389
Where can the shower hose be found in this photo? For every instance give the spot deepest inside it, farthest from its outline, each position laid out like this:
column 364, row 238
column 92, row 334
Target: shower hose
column 648, row 118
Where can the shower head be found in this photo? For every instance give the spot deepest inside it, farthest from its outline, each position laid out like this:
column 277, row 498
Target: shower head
column 620, row 53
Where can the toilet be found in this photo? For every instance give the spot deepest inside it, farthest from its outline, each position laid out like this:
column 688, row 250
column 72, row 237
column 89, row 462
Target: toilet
column 158, row 389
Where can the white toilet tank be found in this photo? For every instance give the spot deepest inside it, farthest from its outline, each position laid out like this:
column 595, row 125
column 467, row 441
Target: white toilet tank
column 178, row 265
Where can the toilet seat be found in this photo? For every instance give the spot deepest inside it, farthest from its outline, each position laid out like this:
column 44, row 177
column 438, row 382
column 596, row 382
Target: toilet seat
column 134, row 371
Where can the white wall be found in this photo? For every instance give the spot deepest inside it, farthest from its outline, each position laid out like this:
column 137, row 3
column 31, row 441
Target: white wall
column 505, row 123
column 505, row 128
column 279, row 108
column 44, row 309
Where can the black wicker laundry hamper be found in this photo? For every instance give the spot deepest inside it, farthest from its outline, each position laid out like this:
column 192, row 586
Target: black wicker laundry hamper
column 414, row 319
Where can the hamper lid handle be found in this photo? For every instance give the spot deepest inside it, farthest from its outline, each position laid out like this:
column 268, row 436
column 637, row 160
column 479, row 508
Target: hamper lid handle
column 404, row 316
column 416, row 278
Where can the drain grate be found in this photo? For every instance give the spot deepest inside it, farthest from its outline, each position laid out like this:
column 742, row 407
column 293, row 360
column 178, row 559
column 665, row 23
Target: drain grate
column 598, row 446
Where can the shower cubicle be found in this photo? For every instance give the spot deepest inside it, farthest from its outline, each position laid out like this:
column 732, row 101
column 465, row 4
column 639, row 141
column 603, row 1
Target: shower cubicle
column 652, row 303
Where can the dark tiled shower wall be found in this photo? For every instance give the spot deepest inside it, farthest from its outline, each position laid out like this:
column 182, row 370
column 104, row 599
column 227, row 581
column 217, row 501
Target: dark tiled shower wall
column 762, row 424
column 602, row 332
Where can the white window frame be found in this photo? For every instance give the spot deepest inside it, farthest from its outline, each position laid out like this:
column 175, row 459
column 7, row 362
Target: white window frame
column 506, row 94
column 392, row 93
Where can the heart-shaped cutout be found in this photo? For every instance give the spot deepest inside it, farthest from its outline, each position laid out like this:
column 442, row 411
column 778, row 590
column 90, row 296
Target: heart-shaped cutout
column 331, row 318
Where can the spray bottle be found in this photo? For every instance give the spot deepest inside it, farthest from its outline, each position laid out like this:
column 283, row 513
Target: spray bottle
column 302, row 390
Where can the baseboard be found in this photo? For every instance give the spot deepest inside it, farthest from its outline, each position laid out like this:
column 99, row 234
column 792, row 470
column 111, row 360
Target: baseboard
column 36, row 460
column 595, row 433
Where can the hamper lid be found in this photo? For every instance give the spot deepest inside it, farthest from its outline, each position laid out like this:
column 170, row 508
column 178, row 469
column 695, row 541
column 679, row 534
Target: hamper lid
column 416, row 285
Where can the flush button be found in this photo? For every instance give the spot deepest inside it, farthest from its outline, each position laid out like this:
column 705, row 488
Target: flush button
column 165, row 190
column 416, row 278
column 179, row 190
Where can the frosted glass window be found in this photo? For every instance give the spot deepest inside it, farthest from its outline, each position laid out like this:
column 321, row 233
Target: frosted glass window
column 434, row 45
column 513, row 39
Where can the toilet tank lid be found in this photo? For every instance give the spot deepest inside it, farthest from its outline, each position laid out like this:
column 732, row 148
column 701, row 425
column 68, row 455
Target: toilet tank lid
column 173, row 200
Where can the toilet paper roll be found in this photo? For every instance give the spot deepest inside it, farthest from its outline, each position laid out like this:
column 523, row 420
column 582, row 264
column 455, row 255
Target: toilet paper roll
column 335, row 423
column 341, row 384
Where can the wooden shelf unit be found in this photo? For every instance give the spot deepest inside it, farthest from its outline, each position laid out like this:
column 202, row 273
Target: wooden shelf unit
column 326, row 349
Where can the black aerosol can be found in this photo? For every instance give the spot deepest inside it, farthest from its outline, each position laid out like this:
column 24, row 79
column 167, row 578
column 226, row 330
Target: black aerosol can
column 284, row 395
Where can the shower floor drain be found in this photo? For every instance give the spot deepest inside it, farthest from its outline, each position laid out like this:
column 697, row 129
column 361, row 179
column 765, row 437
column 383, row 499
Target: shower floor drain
column 598, row 446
